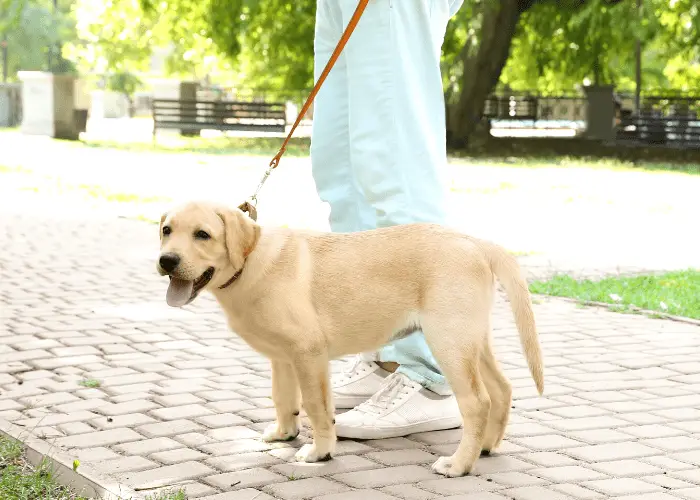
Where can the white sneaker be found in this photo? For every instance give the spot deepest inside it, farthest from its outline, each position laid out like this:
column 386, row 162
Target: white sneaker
column 399, row 408
column 357, row 383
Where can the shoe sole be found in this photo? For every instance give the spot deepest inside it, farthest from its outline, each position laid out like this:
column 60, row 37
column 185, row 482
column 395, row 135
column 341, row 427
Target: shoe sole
column 349, row 402
column 370, row 433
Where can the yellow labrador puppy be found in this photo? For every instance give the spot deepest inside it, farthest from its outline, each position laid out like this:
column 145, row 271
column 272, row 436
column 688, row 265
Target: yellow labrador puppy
column 302, row 298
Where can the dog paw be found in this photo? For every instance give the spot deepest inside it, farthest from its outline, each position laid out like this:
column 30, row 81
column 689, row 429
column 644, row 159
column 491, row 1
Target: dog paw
column 275, row 433
column 310, row 454
column 444, row 466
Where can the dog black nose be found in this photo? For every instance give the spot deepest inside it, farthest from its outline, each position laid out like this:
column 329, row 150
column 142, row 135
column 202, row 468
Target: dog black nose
column 169, row 261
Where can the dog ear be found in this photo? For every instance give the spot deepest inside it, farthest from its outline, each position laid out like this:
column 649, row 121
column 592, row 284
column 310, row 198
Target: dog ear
column 160, row 226
column 242, row 235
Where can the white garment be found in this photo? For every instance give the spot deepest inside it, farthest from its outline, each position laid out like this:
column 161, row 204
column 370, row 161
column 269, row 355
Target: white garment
column 378, row 137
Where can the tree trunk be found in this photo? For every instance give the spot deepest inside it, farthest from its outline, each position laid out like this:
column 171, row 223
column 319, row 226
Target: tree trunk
column 482, row 70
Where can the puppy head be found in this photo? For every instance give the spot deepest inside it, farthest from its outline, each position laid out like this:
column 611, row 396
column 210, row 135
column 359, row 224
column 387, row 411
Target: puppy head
column 201, row 246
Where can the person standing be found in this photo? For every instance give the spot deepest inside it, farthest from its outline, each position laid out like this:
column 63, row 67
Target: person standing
column 378, row 143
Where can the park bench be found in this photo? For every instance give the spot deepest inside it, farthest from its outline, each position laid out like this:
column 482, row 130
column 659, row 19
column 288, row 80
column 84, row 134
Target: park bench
column 195, row 115
column 511, row 107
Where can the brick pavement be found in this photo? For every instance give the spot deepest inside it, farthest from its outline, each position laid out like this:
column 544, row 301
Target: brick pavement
column 182, row 401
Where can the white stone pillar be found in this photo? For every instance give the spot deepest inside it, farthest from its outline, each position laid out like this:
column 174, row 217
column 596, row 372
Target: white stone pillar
column 48, row 105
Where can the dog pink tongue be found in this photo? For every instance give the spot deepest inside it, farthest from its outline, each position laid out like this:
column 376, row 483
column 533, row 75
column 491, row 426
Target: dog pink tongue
column 179, row 292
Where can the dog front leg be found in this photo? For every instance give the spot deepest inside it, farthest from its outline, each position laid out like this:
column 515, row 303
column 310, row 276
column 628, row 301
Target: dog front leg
column 314, row 380
column 287, row 398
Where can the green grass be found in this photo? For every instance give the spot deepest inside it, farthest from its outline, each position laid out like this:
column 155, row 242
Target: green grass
column 675, row 293
column 168, row 495
column 570, row 161
column 254, row 146
column 21, row 481
column 90, row 383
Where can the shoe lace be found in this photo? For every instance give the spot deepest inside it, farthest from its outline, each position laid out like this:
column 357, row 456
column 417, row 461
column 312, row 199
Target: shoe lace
column 355, row 367
column 394, row 388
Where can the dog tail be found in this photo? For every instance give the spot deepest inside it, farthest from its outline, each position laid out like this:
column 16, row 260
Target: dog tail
column 508, row 271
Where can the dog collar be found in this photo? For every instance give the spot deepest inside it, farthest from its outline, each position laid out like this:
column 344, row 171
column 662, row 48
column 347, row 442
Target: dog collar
column 233, row 278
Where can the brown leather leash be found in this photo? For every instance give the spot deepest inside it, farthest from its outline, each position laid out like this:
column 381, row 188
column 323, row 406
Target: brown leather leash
column 249, row 206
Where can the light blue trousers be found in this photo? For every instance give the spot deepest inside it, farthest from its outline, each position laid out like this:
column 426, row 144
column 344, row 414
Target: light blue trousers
column 378, row 137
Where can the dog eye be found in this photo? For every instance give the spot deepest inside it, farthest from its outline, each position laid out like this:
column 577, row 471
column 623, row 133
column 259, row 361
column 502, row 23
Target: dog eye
column 202, row 235
column 167, row 230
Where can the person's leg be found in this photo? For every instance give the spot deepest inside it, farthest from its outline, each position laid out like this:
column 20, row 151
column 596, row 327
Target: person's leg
column 335, row 183
column 330, row 135
column 397, row 127
column 397, row 139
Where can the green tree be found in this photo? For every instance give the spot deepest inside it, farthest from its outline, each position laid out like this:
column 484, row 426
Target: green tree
column 34, row 32
column 547, row 45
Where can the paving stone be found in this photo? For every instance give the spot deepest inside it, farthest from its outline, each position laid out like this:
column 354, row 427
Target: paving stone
column 569, row 473
column 667, row 482
column 91, row 455
column 649, row 496
column 57, row 418
column 689, row 493
column 74, row 428
column 177, row 456
column 148, row 446
column 238, row 446
column 484, row 495
column 248, row 478
column 376, row 478
column 548, row 459
column 164, row 476
column 621, row 486
column 667, row 463
column 99, row 438
column 241, row 461
column 221, row 420
column 181, row 412
column 408, row 492
column 357, row 495
column 132, row 420
column 673, row 443
column 616, row 451
column 626, row 468
column 127, row 464
column 651, row 431
column 548, row 442
column 499, row 463
column 399, row 443
column 576, row 491
column 402, row 457
column 195, row 490
column 177, row 400
column 244, row 494
column 457, row 485
column 599, row 436
column 512, row 479
column 534, row 493
column 305, row 488
column 339, row 465
column 137, row 406
column 170, row 428
column 50, row 399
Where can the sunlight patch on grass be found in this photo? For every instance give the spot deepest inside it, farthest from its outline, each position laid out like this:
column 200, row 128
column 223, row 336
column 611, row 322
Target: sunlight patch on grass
column 676, row 293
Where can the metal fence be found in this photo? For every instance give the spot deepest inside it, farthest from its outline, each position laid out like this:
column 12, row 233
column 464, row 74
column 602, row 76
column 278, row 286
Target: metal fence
column 663, row 120
column 10, row 104
column 531, row 112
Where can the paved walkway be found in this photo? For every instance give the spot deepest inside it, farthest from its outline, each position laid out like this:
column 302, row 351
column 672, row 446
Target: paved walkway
column 182, row 401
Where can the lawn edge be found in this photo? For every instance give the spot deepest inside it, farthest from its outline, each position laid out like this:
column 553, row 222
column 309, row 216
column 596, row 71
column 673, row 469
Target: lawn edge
column 610, row 307
column 86, row 481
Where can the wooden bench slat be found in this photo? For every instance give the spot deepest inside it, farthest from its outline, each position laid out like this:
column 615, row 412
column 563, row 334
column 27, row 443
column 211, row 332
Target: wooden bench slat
column 218, row 115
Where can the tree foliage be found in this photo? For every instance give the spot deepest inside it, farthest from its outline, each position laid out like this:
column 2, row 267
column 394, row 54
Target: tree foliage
column 32, row 29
